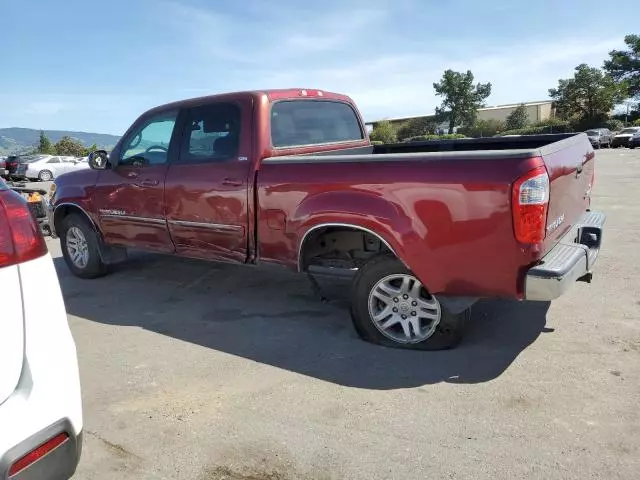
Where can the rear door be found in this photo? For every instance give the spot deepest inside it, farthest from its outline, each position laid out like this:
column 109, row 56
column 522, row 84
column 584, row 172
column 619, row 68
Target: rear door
column 571, row 174
column 207, row 185
column 129, row 197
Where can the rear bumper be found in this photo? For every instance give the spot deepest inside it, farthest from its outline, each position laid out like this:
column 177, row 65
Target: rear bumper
column 572, row 259
column 59, row 463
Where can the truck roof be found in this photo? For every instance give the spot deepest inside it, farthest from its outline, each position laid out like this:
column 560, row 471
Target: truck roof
column 272, row 94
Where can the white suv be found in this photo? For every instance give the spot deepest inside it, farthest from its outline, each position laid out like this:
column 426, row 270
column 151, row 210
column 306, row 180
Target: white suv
column 40, row 403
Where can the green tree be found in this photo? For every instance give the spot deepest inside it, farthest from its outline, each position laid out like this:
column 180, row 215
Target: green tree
column 587, row 98
column 483, row 128
column 519, row 118
column 90, row 149
column 461, row 98
column 384, row 132
column 624, row 65
column 44, row 145
column 69, row 146
column 417, row 127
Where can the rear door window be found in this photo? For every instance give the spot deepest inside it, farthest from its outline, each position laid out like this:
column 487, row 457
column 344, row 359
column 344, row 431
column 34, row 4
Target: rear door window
column 212, row 133
column 313, row 122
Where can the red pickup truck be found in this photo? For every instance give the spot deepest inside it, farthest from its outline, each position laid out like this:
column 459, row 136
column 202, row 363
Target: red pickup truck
column 289, row 177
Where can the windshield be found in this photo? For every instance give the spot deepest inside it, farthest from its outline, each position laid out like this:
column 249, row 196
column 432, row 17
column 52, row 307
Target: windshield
column 592, row 132
column 630, row 130
column 312, row 122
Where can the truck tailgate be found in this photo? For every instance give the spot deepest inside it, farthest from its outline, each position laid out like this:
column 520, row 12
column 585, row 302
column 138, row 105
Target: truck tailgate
column 571, row 173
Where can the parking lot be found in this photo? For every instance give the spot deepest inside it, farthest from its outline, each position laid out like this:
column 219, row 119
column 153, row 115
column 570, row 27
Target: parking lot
column 209, row 371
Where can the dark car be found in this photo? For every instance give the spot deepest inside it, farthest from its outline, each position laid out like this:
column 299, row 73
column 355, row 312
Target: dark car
column 600, row 137
column 4, row 173
column 623, row 138
column 12, row 163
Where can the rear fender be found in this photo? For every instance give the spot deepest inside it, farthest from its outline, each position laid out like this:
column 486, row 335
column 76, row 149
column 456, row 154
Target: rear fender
column 360, row 210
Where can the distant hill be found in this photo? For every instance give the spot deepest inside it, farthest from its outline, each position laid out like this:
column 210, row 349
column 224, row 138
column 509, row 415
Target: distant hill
column 16, row 140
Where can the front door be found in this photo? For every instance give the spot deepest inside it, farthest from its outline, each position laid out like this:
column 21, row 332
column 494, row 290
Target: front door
column 207, row 186
column 130, row 195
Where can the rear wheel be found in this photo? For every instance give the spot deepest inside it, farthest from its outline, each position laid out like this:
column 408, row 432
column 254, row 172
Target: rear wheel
column 80, row 247
column 45, row 176
column 391, row 307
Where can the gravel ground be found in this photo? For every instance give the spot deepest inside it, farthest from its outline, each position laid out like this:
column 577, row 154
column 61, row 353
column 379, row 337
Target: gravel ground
column 204, row 371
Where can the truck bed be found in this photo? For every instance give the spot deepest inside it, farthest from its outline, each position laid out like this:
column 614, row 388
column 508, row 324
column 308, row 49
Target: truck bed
column 443, row 206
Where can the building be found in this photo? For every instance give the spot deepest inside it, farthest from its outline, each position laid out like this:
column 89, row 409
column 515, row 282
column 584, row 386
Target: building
column 538, row 111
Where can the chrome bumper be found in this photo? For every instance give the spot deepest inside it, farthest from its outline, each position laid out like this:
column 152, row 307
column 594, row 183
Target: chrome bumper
column 571, row 260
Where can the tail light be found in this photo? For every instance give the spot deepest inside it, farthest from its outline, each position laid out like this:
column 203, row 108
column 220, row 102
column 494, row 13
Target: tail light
column 529, row 203
column 20, row 236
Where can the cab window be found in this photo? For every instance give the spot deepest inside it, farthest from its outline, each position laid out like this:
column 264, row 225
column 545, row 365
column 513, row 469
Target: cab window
column 313, row 122
column 212, row 133
column 149, row 143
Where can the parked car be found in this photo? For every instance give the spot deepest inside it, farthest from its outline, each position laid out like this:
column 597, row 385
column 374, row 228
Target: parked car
column 49, row 167
column 40, row 404
column 12, row 163
column 4, row 172
column 600, row 137
column 622, row 138
column 289, row 178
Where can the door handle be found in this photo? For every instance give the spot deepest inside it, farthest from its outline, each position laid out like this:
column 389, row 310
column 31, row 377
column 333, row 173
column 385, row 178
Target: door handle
column 148, row 183
column 231, row 182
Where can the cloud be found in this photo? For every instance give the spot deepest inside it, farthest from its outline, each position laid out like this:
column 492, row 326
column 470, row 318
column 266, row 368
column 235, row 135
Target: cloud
column 341, row 51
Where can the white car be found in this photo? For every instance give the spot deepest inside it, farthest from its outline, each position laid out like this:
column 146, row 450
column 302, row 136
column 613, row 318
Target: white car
column 622, row 139
column 49, row 167
column 40, row 403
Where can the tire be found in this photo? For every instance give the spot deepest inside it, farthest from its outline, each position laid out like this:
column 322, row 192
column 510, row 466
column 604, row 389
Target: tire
column 94, row 267
column 45, row 176
column 382, row 271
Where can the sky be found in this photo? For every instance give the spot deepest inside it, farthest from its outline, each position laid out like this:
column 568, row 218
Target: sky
column 96, row 66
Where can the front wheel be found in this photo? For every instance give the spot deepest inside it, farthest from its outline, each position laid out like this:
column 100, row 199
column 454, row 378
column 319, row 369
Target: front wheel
column 391, row 307
column 80, row 247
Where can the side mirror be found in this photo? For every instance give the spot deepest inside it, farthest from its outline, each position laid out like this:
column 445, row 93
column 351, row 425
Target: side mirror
column 99, row 160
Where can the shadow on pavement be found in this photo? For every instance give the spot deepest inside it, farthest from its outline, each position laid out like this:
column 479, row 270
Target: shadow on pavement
column 272, row 316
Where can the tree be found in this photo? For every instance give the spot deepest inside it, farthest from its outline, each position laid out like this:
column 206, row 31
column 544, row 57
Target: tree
column 44, row 145
column 483, row 128
column 624, row 66
column 417, row 127
column 461, row 98
column 587, row 98
column 69, row 146
column 90, row 149
column 384, row 132
column 519, row 118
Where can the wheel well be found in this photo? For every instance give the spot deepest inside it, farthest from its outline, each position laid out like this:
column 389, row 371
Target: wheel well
column 342, row 247
column 64, row 210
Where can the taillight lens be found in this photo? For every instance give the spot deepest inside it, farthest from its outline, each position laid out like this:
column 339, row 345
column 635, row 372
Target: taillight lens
column 34, row 455
column 20, row 237
column 529, row 203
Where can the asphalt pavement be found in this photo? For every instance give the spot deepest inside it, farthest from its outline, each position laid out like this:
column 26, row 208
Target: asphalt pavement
column 193, row 370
